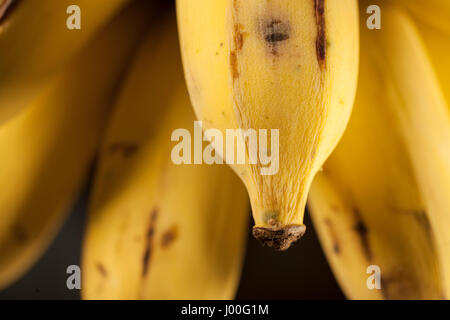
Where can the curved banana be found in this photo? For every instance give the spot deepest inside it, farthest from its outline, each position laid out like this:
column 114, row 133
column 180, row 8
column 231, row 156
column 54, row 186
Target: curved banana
column 35, row 43
column 47, row 150
column 436, row 36
column 286, row 65
column 433, row 12
column 157, row 230
column 382, row 197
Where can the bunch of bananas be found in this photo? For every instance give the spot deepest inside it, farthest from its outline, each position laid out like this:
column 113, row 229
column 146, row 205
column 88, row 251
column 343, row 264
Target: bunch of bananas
column 364, row 138
column 383, row 197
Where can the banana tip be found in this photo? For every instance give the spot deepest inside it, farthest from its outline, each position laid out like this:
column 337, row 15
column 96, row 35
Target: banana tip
column 279, row 238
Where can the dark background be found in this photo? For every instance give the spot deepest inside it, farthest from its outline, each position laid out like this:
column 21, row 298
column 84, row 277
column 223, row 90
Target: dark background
column 301, row 272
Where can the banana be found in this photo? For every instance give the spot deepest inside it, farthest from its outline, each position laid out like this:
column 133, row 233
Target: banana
column 435, row 33
column 286, row 65
column 438, row 45
column 46, row 151
column 433, row 12
column 35, row 43
column 157, row 230
column 382, row 197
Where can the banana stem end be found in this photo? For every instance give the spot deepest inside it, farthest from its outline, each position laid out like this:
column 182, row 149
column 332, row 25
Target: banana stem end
column 279, row 238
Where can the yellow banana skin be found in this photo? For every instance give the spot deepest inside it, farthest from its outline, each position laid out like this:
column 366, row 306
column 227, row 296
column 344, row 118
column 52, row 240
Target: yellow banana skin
column 433, row 12
column 47, row 150
column 382, row 197
column 35, row 43
column 435, row 33
column 437, row 44
column 157, row 230
column 288, row 65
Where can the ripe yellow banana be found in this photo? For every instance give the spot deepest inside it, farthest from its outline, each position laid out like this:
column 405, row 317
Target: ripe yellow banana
column 157, row 230
column 433, row 12
column 35, row 43
column 436, row 35
column 382, row 197
column 46, row 151
column 287, row 65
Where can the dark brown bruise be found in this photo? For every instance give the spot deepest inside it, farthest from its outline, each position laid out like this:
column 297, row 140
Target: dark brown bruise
column 101, row 268
column 238, row 42
column 361, row 229
column 234, row 65
column 276, row 31
column 238, row 38
column 169, row 237
column 321, row 41
column 149, row 242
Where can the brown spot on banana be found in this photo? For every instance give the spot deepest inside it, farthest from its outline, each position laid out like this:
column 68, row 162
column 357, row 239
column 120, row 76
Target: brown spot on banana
column 149, row 242
column 321, row 40
column 238, row 37
column 20, row 234
column 234, row 65
column 333, row 235
column 361, row 229
column 279, row 238
column 101, row 269
column 275, row 32
column 237, row 41
column 6, row 7
column 169, row 237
